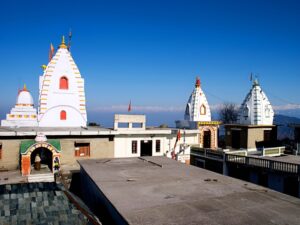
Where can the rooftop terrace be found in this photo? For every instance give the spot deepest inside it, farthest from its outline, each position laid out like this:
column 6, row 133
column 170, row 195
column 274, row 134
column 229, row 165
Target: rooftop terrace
column 158, row 190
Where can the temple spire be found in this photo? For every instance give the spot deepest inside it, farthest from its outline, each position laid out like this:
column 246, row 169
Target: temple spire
column 197, row 82
column 197, row 108
column 24, row 87
column 63, row 43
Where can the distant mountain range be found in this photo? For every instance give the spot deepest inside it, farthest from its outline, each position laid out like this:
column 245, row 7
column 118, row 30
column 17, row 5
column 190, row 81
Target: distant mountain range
column 283, row 121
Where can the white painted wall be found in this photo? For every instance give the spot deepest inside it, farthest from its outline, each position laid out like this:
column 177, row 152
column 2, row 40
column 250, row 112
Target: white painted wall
column 123, row 143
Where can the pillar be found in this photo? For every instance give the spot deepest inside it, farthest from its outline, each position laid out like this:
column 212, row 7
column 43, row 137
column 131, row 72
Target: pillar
column 25, row 165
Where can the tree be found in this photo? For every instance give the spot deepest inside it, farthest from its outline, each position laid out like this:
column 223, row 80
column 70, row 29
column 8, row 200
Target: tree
column 228, row 113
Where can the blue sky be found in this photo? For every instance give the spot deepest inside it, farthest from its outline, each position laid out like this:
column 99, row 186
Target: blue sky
column 151, row 51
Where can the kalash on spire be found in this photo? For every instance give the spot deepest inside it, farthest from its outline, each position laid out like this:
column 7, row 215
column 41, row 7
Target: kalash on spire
column 197, row 108
column 62, row 95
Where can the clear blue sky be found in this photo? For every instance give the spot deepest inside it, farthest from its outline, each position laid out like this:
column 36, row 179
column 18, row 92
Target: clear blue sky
column 151, row 51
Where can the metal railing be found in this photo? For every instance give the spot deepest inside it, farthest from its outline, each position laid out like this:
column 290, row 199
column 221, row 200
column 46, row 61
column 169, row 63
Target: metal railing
column 208, row 153
column 263, row 163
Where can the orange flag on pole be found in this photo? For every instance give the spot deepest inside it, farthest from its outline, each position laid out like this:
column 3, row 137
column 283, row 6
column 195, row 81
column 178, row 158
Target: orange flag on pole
column 51, row 52
column 177, row 139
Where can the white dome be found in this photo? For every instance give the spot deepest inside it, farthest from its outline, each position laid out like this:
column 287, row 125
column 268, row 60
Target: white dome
column 24, row 98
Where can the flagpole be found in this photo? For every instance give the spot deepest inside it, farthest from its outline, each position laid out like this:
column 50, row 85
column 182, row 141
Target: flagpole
column 69, row 41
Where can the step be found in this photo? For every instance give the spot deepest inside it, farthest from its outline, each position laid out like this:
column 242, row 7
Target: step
column 48, row 177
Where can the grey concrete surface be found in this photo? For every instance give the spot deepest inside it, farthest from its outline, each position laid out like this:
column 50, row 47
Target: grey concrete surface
column 159, row 190
column 38, row 204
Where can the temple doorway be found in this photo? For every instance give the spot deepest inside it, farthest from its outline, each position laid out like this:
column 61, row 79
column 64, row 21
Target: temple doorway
column 46, row 152
column 46, row 157
column 236, row 139
column 206, row 139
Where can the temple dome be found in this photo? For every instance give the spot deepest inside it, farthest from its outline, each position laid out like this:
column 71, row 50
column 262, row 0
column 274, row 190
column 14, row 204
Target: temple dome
column 197, row 108
column 24, row 97
column 256, row 109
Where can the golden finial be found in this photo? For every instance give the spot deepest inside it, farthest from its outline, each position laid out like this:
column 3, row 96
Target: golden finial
column 24, row 88
column 43, row 67
column 63, row 44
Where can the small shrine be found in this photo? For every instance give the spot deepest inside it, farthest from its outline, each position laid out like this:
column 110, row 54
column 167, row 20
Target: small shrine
column 23, row 114
column 42, row 151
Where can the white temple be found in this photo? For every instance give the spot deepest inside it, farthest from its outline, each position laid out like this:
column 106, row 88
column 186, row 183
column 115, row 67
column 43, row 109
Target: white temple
column 23, row 114
column 256, row 108
column 197, row 108
column 62, row 95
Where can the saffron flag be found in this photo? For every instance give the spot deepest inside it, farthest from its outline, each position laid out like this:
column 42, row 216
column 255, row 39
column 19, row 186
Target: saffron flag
column 178, row 136
column 129, row 106
column 177, row 139
column 51, row 52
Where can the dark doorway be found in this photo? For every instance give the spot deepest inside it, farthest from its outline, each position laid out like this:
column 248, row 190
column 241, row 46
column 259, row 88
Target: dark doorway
column 206, row 139
column 291, row 186
column 236, row 139
column 146, row 148
column 45, row 155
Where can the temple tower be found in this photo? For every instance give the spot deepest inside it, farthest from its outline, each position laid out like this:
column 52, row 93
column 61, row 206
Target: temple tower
column 256, row 108
column 23, row 114
column 198, row 115
column 254, row 129
column 197, row 108
column 61, row 92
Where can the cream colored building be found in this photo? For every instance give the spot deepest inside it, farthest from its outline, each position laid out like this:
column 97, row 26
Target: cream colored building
column 134, row 139
column 19, row 146
column 66, row 145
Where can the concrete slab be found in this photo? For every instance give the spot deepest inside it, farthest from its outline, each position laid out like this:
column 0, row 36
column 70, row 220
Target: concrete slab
column 12, row 177
column 159, row 190
column 285, row 158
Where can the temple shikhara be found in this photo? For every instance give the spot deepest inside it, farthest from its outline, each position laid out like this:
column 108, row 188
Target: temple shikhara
column 197, row 108
column 256, row 109
column 61, row 95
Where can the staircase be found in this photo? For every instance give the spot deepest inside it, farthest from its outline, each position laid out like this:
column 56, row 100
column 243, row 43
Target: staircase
column 42, row 177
